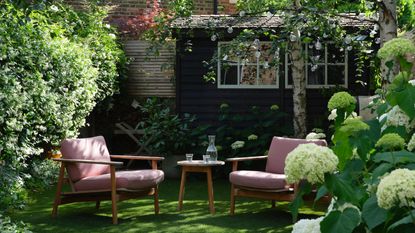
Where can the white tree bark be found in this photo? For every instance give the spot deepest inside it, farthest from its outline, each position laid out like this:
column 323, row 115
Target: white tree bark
column 388, row 29
column 299, row 83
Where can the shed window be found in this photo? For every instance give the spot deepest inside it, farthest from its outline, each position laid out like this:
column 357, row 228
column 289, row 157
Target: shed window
column 252, row 66
column 326, row 67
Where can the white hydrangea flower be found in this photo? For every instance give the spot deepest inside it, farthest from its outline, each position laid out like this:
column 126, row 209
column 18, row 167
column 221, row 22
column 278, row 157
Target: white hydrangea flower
column 237, row 145
column 307, row 226
column 333, row 115
column 315, row 136
column 310, row 162
column 411, row 143
column 397, row 117
column 252, row 137
column 412, row 82
column 397, row 189
column 54, row 8
column 112, row 35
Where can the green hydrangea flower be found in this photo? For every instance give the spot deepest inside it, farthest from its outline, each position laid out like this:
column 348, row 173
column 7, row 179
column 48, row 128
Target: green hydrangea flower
column 354, row 125
column 341, row 100
column 391, row 141
column 396, row 47
column 252, row 137
column 274, row 107
column 224, row 105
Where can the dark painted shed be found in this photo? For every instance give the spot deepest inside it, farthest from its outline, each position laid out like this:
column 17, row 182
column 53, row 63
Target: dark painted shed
column 196, row 96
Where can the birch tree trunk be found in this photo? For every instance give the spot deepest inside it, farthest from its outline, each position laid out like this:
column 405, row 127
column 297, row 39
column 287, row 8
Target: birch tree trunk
column 299, row 83
column 388, row 29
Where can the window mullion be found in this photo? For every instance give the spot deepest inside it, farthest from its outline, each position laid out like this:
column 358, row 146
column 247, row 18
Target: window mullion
column 325, row 65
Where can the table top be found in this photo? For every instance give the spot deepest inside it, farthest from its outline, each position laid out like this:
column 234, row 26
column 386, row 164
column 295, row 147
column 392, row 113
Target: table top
column 200, row 163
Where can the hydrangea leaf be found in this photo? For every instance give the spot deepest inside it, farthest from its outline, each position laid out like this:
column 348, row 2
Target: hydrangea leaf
column 402, row 93
column 341, row 222
column 395, row 157
column 372, row 213
column 408, row 219
column 341, row 188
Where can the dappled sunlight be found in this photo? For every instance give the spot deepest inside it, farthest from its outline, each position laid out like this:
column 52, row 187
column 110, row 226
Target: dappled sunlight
column 137, row 215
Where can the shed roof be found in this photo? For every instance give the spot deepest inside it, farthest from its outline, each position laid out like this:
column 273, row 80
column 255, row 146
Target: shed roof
column 224, row 21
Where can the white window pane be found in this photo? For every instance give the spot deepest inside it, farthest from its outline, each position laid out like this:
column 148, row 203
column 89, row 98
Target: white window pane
column 229, row 75
column 248, row 75
column 316, row 74
column 335, row 74
column 267, row 75
column 335, row 54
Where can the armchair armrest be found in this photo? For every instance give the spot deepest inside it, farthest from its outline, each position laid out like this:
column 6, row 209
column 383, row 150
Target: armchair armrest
column 111, row 163
column 246, row 158
column 137, row 157
column 153, row 159
column 237, row 159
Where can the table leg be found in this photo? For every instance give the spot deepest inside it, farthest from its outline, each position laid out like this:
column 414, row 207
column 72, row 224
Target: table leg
column 181, row 192
column 210, row 190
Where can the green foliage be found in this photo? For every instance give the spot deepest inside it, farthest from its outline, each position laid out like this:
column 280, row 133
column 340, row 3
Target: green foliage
column 55, row 65
column 170, row 133
column 368, row 152
column 7, row 226
column 263, row 123
column 260, row 6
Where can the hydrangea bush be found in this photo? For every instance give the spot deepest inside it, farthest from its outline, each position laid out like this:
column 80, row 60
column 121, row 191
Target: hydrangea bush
column 375, row 176
column 55, row 66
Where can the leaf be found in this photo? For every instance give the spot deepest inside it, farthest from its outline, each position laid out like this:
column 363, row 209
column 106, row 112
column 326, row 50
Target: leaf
column 408, row 219
column 380, row 171
column 342, row 188
column 340, row 222
column 322, row 191
column 372, row 213
column 304, row 188
column 395, row 157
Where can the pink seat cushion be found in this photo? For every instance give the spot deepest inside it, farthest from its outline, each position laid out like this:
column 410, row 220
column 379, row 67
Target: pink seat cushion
column 134, row 180
column 279, row 149
column 258, row 179
column 93, row 148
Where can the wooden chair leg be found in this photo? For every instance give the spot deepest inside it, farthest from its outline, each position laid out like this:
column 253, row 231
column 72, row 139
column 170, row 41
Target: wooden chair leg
column 156, row 200
column 232, row 209
column 58, row 191
column 114, row 196
column 273, row 203
column 97, row 205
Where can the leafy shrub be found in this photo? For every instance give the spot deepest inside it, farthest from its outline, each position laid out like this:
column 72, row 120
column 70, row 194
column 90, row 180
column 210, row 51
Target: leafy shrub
column 375, row 172
column 170, row 133
column 254, row 129
column 7, row 226
column 55, row 66
column 42, row 173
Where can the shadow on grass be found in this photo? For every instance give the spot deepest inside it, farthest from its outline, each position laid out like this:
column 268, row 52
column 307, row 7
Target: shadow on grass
column 138, row 215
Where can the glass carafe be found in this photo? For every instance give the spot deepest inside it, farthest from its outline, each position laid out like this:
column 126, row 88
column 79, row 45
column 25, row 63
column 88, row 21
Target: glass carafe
column 211, row 150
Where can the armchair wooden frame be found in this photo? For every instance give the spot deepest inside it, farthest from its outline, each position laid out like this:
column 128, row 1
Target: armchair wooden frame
column 286, row 194
column 114, row 194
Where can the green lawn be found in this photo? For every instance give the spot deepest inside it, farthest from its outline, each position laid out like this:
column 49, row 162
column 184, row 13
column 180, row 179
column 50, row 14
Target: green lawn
column 138, row 215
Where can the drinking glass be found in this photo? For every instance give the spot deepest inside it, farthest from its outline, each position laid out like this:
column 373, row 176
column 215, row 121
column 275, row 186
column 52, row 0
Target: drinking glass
column 206, row 158
column 189, row 157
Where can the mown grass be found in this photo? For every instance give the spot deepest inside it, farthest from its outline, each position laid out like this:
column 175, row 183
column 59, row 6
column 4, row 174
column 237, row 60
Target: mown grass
column 138, row 215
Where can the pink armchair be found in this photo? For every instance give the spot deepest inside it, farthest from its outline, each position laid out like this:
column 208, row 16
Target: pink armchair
column 92, row 177
column 269, row 184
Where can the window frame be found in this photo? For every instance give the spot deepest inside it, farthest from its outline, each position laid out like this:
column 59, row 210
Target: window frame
column 238, row 68
column 326, row 64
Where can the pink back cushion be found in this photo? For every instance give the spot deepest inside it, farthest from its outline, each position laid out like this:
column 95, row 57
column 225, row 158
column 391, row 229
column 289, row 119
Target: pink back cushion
column 279, row 149
column 85, row 148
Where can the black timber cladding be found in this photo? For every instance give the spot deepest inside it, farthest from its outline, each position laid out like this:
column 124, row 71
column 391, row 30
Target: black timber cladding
column 195, row 96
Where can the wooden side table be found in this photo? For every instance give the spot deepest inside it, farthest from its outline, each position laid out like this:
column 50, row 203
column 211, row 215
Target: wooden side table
column 202, row 167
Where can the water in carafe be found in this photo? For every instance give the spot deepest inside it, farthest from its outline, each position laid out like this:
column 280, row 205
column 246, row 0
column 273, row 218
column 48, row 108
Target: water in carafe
column 211, row 150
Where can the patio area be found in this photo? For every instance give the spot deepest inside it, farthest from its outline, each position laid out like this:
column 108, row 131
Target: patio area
column 137, row 215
